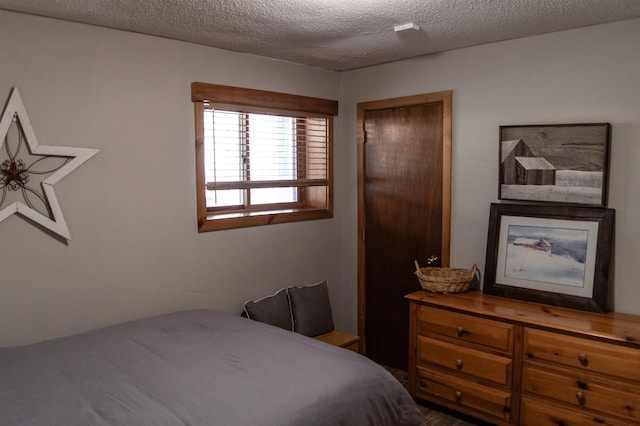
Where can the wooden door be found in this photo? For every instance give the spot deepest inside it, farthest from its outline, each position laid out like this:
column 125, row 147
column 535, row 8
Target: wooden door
column 404, row 212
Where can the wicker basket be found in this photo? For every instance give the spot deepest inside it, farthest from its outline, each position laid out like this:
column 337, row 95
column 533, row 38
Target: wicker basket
column 445, row 280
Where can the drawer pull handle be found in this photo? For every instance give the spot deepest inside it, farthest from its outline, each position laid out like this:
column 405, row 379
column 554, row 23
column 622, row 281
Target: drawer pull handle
column 458, row 396
column 583, row 360
column 459, row 364
column 423, row 384
column 461, row 331
column 580, row 398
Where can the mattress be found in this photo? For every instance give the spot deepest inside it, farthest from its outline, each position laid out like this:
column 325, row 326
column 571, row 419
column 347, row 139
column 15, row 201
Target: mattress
column 197, row 367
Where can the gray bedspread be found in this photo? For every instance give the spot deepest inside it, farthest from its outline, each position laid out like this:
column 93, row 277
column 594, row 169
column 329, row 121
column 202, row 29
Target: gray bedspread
column 196, row 368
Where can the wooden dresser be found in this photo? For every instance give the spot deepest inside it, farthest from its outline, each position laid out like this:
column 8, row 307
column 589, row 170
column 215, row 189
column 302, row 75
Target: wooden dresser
column 512, row 362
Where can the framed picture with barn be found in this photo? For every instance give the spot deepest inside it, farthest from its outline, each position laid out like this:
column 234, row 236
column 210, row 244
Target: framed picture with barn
column 559, row 163
column 558, row 255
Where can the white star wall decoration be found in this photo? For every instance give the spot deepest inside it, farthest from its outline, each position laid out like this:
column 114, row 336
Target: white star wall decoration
column 20, row 170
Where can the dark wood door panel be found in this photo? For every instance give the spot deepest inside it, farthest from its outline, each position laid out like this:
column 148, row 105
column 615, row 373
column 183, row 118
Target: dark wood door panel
column 403, row 215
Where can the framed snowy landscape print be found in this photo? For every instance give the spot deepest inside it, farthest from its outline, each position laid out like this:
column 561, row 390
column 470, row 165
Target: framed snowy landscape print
column 559, row 163
column 558, row 255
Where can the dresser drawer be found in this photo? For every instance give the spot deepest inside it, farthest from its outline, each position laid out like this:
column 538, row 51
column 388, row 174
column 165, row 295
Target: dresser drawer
column 538, row 413
column 466, row 328
column 434, row 386
column 585, row 354
column 583, row 391
column 471, row 362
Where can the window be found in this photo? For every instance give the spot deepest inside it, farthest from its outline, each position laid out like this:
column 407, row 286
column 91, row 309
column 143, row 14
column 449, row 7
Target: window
column 261, row 157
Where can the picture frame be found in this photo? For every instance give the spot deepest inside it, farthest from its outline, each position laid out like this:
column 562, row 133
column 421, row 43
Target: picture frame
column 557, row 255
column 556, row 163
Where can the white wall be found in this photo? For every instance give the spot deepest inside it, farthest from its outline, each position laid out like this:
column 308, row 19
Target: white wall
column 131, row 209
column 579, row 76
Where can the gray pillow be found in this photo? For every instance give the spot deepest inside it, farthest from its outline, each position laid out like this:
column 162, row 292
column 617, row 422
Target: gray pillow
column 272, row 310
column 311, row 309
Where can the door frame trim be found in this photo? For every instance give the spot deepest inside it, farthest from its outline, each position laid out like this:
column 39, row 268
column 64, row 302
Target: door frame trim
column 444, row 98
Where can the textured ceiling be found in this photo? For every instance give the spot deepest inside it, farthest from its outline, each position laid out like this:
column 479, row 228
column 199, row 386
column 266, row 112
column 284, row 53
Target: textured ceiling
column 335, row 34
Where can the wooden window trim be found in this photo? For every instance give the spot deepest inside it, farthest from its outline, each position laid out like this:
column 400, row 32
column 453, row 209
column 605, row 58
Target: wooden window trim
column 238, row 96
column 251, row 99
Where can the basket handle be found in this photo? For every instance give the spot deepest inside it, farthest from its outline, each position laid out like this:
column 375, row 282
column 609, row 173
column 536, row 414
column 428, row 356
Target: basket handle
column 476, row 273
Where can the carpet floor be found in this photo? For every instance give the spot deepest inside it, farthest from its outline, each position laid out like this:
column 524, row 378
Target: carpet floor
column 433, row 415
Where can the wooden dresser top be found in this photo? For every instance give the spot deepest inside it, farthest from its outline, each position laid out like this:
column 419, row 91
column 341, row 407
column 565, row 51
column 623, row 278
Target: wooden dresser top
column 612, row 326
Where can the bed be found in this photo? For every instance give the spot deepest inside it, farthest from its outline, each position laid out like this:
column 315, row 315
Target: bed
column 198, row 367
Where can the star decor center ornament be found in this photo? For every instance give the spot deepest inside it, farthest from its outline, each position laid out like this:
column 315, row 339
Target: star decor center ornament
column 28, row 170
